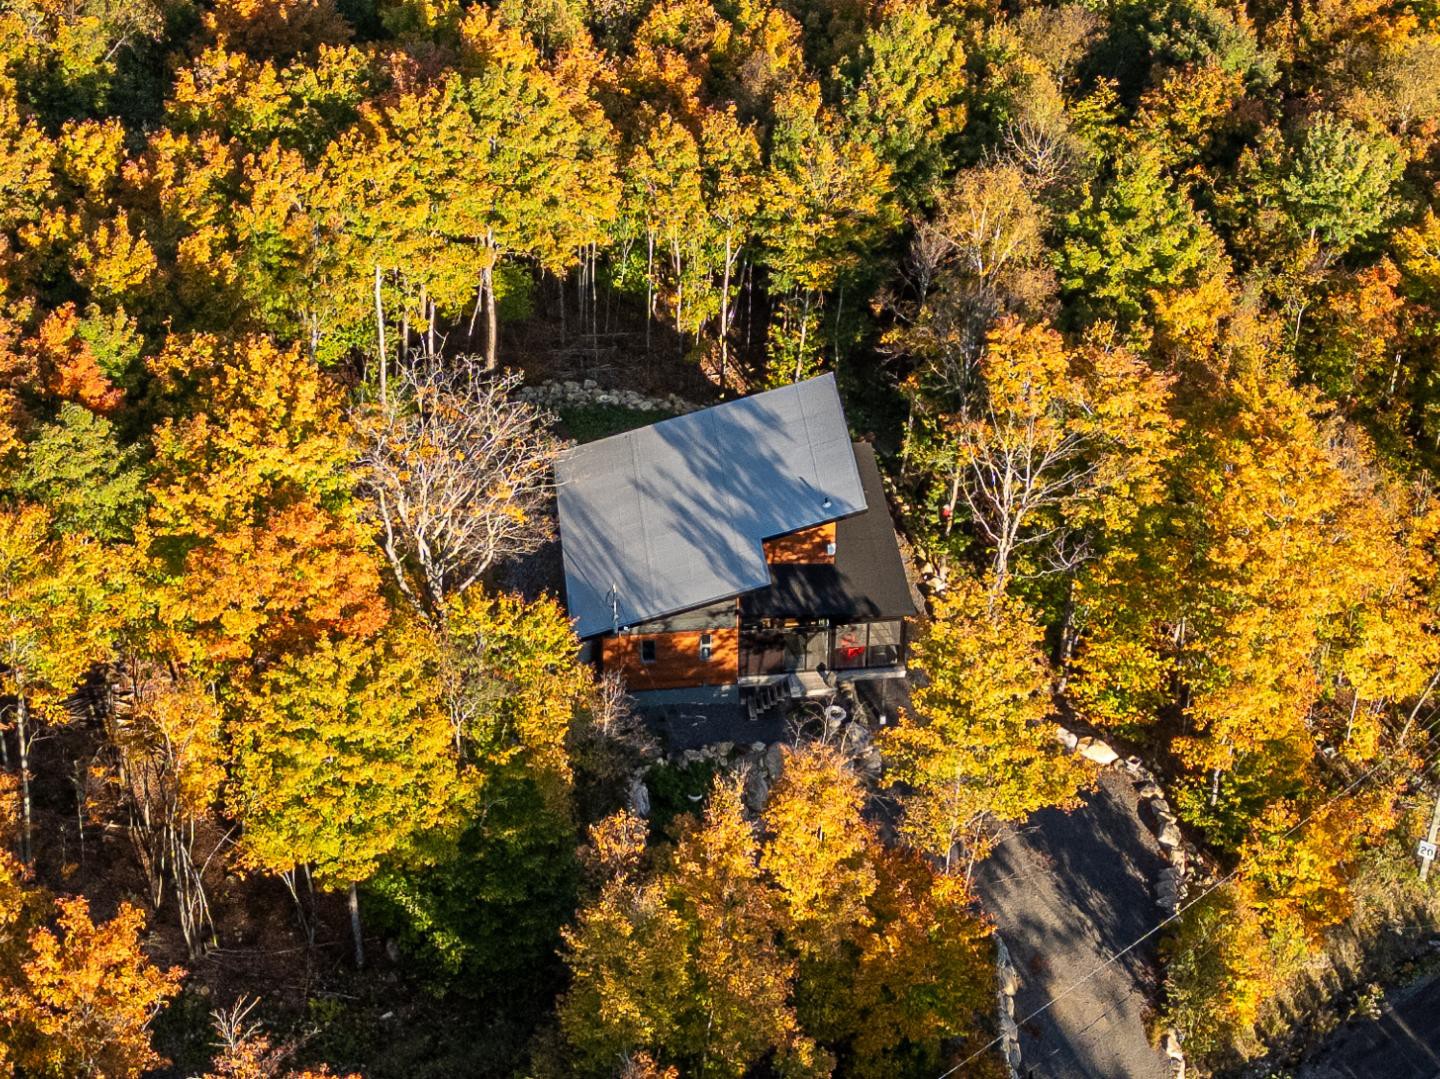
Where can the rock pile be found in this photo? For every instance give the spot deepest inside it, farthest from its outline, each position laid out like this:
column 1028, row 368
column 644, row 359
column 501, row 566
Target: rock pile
column 575, row 393
column 1008, row 979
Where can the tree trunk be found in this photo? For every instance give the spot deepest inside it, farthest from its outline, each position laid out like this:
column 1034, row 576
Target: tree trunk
column 804, row 332
column 649, row 283
column 492, row 324
column 380, row 334
column 725, row 315
column 22, row 741
column 355, row 928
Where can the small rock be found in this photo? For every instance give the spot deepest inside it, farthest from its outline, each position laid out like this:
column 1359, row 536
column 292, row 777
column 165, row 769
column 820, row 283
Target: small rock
column 722, row 749
column 774, row 761
column 757, row 747
column 392, row 951
column 1069, row 739
column 589, row 384
column 1169, row 835
column 1151, row 790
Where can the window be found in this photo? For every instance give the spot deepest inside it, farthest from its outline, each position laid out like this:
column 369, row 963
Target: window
column 647, row 651
column 885, row 638
column 850, row 643
column 705, row 647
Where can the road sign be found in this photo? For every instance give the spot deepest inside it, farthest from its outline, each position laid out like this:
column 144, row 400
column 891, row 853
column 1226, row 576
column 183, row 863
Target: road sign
column 1427, row 850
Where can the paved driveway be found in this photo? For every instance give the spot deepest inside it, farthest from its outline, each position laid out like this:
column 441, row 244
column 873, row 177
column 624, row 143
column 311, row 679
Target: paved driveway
column 1404, row 1043
column 1067, row 890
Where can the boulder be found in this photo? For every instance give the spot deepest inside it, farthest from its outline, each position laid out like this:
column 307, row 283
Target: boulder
column 757, row 790
column 1067, row 738
column 1169, row 834
column 774, row 761
column 1151, row 790
column 1099, row 752
column 590, row 384
column 721, row 750
column 638, row 797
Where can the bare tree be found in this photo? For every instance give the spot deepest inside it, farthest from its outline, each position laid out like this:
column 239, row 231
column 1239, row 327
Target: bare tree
column 459, row 472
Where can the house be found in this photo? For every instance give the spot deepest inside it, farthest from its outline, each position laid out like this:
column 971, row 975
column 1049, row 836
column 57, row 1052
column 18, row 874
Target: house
column 746, row 545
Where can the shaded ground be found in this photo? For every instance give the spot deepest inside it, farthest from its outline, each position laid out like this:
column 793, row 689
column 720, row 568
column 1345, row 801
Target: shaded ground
column 1066, row 891
column 1404, row 1043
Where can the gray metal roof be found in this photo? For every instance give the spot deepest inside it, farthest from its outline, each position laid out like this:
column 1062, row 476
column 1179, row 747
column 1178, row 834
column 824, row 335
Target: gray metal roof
column 672, row 516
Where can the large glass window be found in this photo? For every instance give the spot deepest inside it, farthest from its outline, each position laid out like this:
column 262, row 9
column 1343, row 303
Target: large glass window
column 885, row 641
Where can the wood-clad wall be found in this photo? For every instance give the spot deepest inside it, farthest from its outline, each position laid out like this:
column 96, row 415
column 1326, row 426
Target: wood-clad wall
column 677, row 659
column 809, row 546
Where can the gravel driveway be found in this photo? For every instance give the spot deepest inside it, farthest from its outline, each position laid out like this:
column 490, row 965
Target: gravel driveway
column 1404, row 1043
column 1066, row 890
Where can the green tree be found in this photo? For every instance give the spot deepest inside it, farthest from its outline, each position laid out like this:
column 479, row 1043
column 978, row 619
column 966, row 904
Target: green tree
column 1137, row 237
column 76, row 468
column 1340, row 182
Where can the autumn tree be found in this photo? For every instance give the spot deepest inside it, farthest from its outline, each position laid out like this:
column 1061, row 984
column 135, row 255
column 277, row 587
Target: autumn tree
column 251, row 534
column 976, row 748
column 170, row 771
column 1043, row 444
column 82, row 997
column 342, row 759
column 825, row 203
column 60, row 608
column 857, row 959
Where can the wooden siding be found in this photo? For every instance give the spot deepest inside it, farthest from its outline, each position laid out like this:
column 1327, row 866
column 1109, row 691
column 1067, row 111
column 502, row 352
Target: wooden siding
column 809, row 546
column 677, row 659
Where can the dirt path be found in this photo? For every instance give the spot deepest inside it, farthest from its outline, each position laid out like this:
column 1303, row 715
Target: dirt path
column 1066, row 891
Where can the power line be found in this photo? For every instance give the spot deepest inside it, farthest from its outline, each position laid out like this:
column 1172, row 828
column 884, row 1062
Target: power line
column 1182, row 910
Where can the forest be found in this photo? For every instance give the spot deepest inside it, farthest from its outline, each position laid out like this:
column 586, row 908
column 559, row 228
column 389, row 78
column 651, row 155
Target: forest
column 1139, row 301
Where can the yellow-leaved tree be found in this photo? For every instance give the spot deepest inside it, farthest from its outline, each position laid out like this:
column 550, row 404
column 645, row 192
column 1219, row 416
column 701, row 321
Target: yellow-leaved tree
column 60, row 609
column 977, row 748
column 341, row 757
